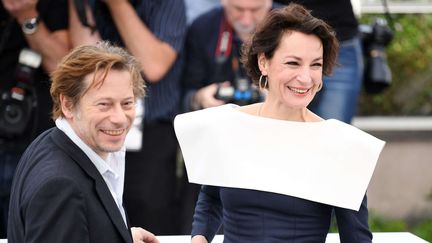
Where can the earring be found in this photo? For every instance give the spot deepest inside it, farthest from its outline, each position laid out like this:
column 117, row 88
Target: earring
column 319, row 87
column 265, row 82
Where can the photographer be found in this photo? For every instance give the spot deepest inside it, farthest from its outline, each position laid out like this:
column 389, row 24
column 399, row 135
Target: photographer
column 212, row 50
column 213, row 74
column 33, row 38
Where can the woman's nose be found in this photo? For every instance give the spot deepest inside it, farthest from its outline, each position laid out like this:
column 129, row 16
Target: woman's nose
column 304, row 75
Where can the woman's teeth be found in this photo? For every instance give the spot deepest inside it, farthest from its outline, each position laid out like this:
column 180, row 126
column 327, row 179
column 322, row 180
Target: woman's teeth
column 299, row 91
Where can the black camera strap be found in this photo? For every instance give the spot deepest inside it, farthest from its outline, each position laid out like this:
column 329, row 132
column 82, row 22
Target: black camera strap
column 388, row 15
column 6, row 33
column 80, row 7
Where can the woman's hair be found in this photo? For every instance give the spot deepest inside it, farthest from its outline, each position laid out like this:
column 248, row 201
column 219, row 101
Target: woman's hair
column 69, row 77
column 268, row 35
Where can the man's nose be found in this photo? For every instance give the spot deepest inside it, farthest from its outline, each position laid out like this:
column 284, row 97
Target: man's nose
column 247, row 18
column 118, row 114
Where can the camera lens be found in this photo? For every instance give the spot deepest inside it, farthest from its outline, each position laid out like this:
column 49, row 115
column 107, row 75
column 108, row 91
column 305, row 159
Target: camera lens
column 13, row 114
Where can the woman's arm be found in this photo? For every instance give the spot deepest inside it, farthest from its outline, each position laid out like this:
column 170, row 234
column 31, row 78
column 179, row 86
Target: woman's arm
column 208, row 215
column 353, row 226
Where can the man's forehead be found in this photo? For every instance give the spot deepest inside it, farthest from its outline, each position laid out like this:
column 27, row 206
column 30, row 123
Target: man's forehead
column 248, row 4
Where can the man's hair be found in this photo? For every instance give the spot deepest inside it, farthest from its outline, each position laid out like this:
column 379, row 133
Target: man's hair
column 268, row 35
column 69, row 77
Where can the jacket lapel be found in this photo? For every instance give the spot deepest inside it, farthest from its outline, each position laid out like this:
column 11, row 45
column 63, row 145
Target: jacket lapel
column 63, row 141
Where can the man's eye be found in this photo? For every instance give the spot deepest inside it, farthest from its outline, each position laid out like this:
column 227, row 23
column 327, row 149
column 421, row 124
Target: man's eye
column 129, row 104
column 103, row 105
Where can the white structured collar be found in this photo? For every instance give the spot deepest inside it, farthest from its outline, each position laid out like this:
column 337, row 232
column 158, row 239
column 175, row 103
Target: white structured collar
column 328, row 161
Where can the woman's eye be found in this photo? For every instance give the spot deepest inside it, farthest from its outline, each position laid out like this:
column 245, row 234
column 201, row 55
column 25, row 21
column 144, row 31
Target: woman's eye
column 292, row 63
column 316, row 65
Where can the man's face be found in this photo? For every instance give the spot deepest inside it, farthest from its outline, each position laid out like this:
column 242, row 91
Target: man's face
column 244, row 15
column 104, row 115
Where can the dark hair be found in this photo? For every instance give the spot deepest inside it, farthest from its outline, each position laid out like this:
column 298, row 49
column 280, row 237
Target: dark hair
column 68, row 78
column 268, row 35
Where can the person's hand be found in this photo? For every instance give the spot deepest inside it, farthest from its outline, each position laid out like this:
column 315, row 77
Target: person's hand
column 21, row 9
column 198, row 239
column 205, row 97
column 140, row 235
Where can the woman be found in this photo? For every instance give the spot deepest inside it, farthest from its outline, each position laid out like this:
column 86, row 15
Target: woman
column 287, row 56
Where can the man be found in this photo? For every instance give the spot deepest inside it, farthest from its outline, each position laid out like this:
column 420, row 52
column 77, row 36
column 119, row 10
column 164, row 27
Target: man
column 33, row 39
column 68, row 185
column 153, row 31
column 212, row 51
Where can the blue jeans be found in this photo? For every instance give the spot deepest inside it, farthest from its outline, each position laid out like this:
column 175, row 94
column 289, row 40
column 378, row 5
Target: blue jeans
column 339, row 96
column 8, row 163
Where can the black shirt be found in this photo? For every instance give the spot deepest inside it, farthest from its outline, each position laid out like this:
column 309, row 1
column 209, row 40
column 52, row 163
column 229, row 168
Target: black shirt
column 337, row 13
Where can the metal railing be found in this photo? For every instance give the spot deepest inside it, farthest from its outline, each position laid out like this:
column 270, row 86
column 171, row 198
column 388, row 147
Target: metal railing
column 395, row 7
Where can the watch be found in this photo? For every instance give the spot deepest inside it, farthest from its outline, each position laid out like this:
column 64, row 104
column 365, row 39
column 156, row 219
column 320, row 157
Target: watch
column 29, row 26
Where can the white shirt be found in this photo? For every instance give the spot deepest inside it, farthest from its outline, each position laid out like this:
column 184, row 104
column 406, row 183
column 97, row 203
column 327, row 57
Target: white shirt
column 112, row 170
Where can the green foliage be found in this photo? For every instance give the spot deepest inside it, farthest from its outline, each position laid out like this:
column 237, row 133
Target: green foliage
column 410, row 59
column 422, row 229
column 378, row 224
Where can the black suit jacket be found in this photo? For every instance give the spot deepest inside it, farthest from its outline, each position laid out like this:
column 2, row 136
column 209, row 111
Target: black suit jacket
column 58, row 195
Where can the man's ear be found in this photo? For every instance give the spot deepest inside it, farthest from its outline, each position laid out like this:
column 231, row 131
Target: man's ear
column 66, row 106
column 262, row 63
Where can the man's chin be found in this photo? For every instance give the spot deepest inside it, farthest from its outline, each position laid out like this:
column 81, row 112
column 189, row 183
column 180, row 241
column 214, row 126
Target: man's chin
column 112, row 148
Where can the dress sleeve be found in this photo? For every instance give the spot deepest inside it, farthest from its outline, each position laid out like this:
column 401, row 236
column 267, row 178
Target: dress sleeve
column 208, row 213
column 353, row 226
column 56, row 212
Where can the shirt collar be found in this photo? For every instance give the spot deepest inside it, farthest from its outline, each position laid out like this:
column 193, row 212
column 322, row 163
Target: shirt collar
column 101, row 165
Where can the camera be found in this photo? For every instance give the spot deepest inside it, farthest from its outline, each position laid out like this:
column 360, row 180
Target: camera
column 375, row 38
column 18, row 102
column 242, row 92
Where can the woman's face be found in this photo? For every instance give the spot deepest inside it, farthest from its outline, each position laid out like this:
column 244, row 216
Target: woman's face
column 295, row 71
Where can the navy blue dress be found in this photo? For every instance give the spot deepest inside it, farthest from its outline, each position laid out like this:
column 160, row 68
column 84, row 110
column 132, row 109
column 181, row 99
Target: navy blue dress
column 256, row 216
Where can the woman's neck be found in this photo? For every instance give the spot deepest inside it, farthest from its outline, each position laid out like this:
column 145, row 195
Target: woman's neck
column 280, row 111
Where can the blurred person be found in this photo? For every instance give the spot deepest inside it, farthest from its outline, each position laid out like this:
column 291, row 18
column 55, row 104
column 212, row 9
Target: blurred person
column 248, row 155
column 339, row 96
column 33, row 39
column 68, row 185
column 212, row 62
column 153, row 31
column 196, row 8
column 213, row 49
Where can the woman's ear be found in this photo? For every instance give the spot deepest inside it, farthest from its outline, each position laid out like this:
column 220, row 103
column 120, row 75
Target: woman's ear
column 262, row 63
column 66, row 106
